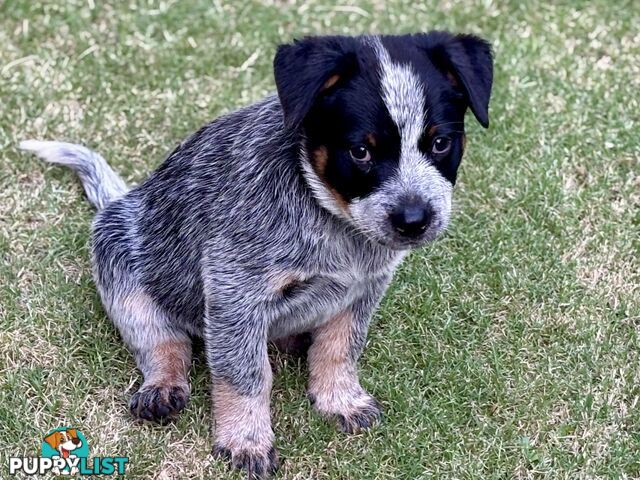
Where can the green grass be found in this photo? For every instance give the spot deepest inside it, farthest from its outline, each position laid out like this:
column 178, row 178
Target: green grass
column 510, row 349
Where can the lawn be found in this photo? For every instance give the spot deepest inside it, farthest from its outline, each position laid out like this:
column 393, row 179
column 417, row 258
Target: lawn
column 509, row 349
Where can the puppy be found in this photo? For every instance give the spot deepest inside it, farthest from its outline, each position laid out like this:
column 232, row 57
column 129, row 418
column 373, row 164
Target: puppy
column 65, row 442
column 284, row 220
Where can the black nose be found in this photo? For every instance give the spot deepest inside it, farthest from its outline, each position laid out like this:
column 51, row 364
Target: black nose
column 411, row 219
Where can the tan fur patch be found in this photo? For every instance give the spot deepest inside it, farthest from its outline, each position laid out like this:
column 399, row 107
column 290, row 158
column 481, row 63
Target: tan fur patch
column 331, row 342
column 333, row 379
column 342, row 203
column 371, row 139
column 319, row 159
column 432, row 130
column 452, row 79
column 242, row 422
column 331, row 81
column 163, row 356
column 169, row 362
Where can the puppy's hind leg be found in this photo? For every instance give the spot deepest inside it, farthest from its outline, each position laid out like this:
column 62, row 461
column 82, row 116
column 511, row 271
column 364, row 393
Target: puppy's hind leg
column 162, row 352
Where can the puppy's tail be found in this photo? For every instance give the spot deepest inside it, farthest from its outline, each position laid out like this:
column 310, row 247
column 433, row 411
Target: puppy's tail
column 100, row 182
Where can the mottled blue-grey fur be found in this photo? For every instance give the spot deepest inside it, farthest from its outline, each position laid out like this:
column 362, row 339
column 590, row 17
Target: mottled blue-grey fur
column 202, row 246
column 100, row 182
column 239, row 238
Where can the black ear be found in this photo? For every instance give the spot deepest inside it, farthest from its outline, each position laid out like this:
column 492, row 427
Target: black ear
column 308, row 67
column 470, row 62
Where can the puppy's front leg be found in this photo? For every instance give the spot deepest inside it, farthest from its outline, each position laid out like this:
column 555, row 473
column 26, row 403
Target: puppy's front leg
column 334, row 388
column 236, row 346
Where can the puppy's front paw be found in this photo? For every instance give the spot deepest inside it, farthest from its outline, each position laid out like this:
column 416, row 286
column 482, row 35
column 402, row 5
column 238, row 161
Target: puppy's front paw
column 257, row 462
column 157, row 403
column 361, row 416
column 354, row 412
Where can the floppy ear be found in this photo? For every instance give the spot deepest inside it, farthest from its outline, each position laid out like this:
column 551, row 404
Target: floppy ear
column 53, row 440
column 308, row 67
column 469, row 60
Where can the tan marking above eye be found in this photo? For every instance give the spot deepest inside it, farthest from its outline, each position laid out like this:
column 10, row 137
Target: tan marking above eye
column 331, row 81
column 452, row 79
column 371, row 139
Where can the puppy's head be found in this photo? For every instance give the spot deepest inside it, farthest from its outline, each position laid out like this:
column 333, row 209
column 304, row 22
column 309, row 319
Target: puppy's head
column 67, row 439
column 382, row 119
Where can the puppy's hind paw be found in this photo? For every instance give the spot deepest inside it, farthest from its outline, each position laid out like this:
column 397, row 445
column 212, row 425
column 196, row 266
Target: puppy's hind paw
column 157, row 403
column 257, row 466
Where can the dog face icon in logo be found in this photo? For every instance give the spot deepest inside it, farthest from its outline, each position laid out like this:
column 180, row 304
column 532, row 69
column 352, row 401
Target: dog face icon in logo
column 68, row 444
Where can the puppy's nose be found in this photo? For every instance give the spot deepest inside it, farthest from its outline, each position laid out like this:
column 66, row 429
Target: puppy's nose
column 411, row 219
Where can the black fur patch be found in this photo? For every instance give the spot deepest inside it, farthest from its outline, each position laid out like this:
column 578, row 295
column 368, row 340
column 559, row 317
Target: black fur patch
column 456, row 73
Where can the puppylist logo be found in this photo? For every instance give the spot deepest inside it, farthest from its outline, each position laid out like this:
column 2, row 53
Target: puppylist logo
column 65, row 451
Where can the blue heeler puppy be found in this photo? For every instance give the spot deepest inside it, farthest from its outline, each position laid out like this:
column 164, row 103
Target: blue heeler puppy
column 283, row 221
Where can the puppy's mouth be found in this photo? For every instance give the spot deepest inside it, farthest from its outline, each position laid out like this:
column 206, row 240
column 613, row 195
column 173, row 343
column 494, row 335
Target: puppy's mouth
column 382, row 230
column 394, row 241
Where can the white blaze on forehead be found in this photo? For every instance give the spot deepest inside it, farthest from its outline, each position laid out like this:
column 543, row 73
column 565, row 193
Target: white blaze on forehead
column 403, row 94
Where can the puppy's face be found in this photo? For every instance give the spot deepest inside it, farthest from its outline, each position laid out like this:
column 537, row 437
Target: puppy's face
column 382, row 119
column 67, row 439
column 70, row 440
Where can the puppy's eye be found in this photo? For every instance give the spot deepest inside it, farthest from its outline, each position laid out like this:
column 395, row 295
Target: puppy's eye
column 360, row 153
column 441, row 146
